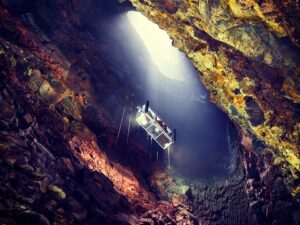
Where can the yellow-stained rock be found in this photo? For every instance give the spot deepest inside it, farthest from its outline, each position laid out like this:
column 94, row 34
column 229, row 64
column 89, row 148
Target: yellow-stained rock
column 236, row 47
column 58, row 191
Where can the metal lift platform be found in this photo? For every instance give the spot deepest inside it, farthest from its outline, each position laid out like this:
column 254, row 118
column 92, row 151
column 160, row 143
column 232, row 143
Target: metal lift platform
column 155, row 126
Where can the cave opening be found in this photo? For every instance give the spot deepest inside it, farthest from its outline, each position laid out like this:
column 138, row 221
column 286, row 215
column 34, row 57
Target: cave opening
column 166, row 77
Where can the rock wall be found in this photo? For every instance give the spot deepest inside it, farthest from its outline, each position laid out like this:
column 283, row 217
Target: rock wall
column 54, row 130
column 42, row 182
column 247, row 55
column 61, row 94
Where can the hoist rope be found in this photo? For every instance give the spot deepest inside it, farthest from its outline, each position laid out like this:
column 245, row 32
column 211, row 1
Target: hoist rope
column 121, row 122
column 169, row 160
column 129, row 122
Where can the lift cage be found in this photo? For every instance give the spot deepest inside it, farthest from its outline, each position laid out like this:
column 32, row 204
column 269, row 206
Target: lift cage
column 154, row 126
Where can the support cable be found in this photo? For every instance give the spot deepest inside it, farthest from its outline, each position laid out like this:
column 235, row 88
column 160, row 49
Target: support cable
column 129, row 122
column 121, row 122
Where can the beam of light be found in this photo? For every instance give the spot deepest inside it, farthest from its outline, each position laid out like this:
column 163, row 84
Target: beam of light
column 159, row 45
column 166, row 77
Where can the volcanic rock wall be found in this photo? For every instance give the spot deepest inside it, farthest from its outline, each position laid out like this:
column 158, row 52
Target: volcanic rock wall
column 247, row 53
column 53, row 170
column 57, row 122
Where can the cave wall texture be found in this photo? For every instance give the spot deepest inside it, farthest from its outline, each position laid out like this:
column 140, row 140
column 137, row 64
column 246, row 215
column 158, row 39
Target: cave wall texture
column 247, row 53
column 52, row 168
column 63, row 82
